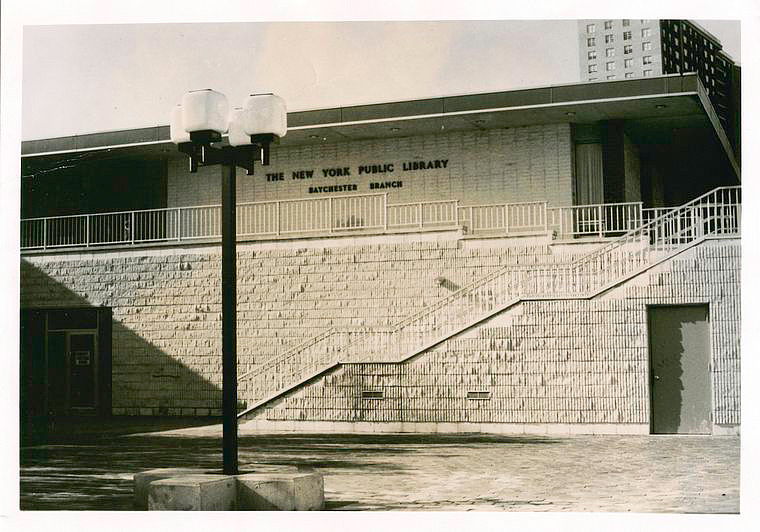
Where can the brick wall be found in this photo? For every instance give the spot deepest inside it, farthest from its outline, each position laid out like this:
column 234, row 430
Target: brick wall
column 167, row 302
column 555, row 362
column 531, row 163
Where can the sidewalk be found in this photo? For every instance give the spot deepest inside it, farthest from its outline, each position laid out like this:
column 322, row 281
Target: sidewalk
column 681, row 474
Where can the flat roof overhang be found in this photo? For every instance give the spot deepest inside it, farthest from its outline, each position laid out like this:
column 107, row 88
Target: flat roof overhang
column 652, row 108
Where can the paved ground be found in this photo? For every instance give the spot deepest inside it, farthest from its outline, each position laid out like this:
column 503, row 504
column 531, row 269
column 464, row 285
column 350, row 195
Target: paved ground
column 84, row 468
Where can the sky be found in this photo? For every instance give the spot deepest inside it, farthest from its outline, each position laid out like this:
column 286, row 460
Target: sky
column 101, row 77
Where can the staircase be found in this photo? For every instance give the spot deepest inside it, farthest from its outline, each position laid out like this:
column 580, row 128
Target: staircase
column 715, row 214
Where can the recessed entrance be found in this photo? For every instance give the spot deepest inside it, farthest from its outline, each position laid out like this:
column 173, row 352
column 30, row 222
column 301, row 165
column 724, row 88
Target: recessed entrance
column 679, row 352
column 66, row 362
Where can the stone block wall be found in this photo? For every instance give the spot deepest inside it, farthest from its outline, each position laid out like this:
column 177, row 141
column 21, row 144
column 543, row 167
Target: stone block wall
column 547, row 362
column 166, row 303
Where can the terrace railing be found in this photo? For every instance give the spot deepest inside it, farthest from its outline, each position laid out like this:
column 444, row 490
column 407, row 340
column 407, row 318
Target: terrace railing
column 714, row 214
column 602, row 220
column 369, row 214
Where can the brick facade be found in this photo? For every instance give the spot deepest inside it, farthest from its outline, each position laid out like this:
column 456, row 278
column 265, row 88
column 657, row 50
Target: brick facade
column 166, row 303
column 530, row 163
column 563, row 362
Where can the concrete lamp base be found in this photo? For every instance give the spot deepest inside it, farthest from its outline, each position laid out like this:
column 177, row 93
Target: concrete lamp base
column 207, row 490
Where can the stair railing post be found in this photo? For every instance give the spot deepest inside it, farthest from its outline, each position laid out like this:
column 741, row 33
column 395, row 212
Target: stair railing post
column 599, row 218
column 278, row 219
column 385, row 212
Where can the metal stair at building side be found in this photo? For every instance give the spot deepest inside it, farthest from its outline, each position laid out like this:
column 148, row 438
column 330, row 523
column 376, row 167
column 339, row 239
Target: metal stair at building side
column 714, row 214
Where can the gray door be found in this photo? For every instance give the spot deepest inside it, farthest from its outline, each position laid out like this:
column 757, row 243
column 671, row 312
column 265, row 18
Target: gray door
column 679, row 348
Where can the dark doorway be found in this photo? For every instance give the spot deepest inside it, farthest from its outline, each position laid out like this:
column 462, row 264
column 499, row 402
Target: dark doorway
column 65, row 364
column 679, row 352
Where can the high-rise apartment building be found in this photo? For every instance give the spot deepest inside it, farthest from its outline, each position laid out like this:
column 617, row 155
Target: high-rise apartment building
column 616, row 49
column 619, row 49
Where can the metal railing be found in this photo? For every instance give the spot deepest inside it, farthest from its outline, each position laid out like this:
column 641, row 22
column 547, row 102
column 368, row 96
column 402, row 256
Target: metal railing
column 368, row 213
column 610, row 219
column 422, row 215
column 651, row 213
column 508, row 218
column 715, row 213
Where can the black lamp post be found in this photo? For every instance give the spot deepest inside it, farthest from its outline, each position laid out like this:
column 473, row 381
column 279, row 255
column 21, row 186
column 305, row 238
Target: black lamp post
column 196, row 127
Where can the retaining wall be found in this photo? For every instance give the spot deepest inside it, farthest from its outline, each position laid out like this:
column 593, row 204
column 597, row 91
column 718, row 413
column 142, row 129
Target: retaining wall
column 544, row 364
column 166, row 303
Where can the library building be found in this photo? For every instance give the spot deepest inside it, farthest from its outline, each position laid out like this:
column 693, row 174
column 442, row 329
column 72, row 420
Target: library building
column 554, row 260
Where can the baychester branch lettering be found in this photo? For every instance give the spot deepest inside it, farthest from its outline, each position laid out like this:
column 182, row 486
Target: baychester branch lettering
column 333, row 188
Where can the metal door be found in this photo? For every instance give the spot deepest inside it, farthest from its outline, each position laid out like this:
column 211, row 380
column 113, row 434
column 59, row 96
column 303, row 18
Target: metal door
column 679, row 347
column 82, row 371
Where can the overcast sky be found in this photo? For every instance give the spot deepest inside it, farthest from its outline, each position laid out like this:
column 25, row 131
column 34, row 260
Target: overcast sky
column 89, row 78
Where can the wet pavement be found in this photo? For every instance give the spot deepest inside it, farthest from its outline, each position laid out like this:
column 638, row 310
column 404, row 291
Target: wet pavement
column 90, row 467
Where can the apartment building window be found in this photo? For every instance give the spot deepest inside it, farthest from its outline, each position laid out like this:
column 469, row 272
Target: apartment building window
column 607, row 24
column 646, row 32
column 591, row 55
column 626, row 35
column 628, row 63
column 647, row 73
column 629, row 74
column 592, row 68
column 590, row 28
column 611, row 65
column 610, row 52
column 628, row 49
column 647, row 59
column 609, row 39
column 611, row 76
column 646, row 20
column 646, row 46
column 626, row 22
column 591, row 41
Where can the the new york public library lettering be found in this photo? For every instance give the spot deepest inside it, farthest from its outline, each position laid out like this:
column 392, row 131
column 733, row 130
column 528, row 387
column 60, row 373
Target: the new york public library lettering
column 424, row 165
column 362, row 169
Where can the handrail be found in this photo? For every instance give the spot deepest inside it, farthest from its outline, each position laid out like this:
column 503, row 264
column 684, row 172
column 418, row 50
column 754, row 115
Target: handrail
column 658, row 219
column 583, row 276
column 294, row 217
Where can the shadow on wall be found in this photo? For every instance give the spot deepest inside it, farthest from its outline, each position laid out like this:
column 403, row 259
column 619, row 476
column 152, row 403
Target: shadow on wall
column 144, row 379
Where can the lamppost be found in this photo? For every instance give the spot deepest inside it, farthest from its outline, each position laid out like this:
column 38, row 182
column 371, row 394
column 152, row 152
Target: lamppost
column 196, row 128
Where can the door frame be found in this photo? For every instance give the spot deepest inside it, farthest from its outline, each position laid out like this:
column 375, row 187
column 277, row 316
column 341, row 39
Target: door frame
column 650, row 365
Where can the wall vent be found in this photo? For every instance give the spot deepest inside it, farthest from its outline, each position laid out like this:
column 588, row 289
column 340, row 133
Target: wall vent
column 479, row 395
column 372, row 394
